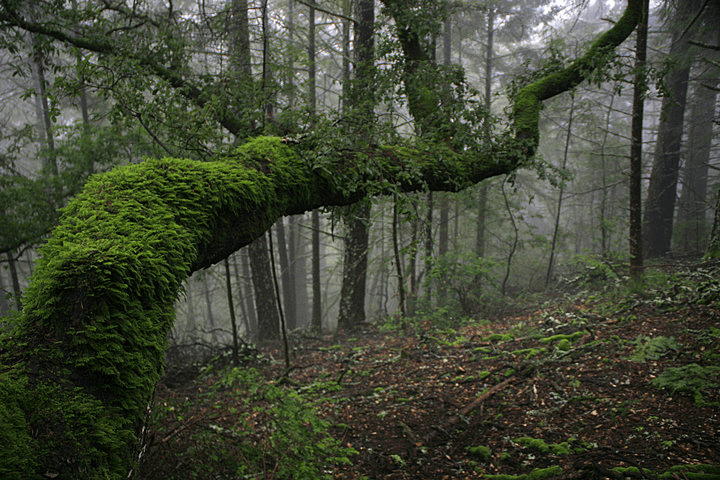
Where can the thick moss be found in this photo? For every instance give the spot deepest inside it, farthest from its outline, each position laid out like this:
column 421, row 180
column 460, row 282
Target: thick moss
column 92, row 335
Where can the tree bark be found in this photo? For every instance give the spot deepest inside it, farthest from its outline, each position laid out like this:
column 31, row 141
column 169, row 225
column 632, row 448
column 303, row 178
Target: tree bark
column 692, row 221
column 288, row 288
column 713, row 250
column 556, row 228
column 265, row 299
column 316, row 320
column 662, row 191
column 638, row 114
column 352, row 295
column 361, row 108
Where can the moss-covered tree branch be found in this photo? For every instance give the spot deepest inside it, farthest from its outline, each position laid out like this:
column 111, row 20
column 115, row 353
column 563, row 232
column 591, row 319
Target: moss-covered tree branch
column 528, row 101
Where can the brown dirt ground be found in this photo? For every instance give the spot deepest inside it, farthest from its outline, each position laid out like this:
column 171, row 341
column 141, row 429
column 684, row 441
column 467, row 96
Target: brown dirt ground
column 413, row 402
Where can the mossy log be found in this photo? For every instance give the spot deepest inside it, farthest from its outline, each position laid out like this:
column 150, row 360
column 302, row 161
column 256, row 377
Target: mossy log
column 80, row 368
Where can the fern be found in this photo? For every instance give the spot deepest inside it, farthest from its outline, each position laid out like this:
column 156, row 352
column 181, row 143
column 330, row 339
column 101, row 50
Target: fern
column 691, row 378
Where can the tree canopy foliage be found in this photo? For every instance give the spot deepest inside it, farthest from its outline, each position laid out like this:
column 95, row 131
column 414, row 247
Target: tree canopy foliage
column 88, row 348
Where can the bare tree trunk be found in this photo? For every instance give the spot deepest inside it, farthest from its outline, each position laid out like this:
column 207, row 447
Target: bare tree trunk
column 4, row 304
column 316, row 285
column 428, row 248
column 556, row 228
column 483, row 192
column 638, row 114
column 249, row 301
column 231, row 308
column 352, row 295
column 42, row 110
column 208, row 307
column 265, row 300
column 662, row 191
column 360, row 109
column 444, row 209
column 692, row 219
column 14, row 278
column 297, row 252
column 412, row 261
column 398, row 260
column 604, row 193
column 713, row 250
column 288, row 288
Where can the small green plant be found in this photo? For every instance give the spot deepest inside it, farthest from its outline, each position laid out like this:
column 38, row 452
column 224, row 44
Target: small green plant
column 273, row 429
column 480, row 451
column 542, row 447
column 499, row 337
column 536, row 474
column 654, row 348
column 696, row 471
column 692, row 379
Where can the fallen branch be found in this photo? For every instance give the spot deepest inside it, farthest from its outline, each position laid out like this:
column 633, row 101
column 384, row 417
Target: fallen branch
column 466, row 410
column 484, row 396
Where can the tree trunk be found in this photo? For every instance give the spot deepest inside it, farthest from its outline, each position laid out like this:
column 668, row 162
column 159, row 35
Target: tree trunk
column 429, row 247
column 713, row 250
column 231, row 309
column 249, row 298
column 297, row 252
column 209, row 307
column 360, row 108
column 286, row 276
column 15, row 280
column 398, row 259
column 692, row 221
column 487, row 101
column 352, row 295
column 638, row 114
column 444, row 210
column 556, row 229
column 660, row 203
column 4, row 304
column 42, row 110
column 265, row 300
column 316, row 284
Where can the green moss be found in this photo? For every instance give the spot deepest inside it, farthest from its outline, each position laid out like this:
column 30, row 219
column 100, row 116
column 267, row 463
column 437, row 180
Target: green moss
column 16, row 459
column 536, row 474
column 559, row 338
column 630, row 471
column 528, row 353
column 539, row 445
column 499, row 337
column 697, row 471
column 654, row 348
column 481, row 452
column 101, row 299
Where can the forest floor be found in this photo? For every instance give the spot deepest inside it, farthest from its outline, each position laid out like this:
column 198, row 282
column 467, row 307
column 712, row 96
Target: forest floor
column 589, row 386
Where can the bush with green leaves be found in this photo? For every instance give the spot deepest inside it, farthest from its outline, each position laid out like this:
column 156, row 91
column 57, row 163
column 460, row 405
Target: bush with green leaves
column 466, row 277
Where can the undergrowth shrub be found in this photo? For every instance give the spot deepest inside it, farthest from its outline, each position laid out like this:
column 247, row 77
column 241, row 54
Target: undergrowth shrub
column 258, row 429
column 693, row 379
column 466, row 279
column 654, row 348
